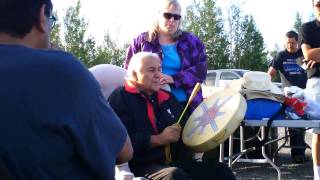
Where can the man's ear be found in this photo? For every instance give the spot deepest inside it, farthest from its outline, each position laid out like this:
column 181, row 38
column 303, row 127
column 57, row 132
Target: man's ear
column 135, row 76
column 41, row 25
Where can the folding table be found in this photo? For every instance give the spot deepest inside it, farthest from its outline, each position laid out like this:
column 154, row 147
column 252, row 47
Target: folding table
column 262, row 124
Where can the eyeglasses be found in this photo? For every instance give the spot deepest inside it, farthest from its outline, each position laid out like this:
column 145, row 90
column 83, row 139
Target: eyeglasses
column 53, row 20
column 170, row 15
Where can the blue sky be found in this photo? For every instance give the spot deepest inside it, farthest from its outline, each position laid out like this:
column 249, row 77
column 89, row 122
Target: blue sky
column 124, row 19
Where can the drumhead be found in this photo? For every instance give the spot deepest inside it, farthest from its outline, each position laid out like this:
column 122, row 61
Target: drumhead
column 214, row 120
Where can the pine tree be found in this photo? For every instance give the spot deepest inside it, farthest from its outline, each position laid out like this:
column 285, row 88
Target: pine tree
column 246, row 44
column 75, row 30
column 204, row 20
column 110, row 53
column 55, row 36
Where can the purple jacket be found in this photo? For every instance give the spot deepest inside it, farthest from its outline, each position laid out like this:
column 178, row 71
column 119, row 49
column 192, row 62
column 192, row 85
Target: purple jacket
column 193, row 60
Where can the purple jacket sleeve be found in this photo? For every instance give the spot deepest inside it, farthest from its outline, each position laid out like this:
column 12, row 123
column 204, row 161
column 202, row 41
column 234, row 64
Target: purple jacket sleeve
column 194, row 64
column 134, row 48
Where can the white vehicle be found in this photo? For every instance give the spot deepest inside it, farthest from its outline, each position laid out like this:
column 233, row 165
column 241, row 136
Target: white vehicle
column 219, row 78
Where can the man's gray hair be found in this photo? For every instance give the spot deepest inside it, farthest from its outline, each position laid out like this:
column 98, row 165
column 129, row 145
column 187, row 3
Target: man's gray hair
column 136, row 62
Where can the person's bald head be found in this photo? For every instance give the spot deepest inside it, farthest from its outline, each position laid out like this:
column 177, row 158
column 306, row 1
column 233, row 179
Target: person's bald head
column 144, row 71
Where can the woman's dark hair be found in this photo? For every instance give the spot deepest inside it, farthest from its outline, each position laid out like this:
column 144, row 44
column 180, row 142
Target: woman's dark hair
column 17, row 17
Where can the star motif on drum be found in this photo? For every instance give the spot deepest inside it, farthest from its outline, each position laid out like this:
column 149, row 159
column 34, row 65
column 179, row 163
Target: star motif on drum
column 209, row 117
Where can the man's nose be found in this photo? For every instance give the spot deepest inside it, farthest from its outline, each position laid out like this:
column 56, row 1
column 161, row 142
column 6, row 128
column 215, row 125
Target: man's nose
column 158, row 74
column 171, row 19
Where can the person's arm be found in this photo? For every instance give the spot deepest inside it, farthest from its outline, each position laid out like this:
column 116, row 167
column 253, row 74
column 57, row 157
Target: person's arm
column 126, row 152
column 130, row 52
column 309, row 53
column 197, row 71
column 169, row 134
column 105, row 142
column 133, row 48
column 272, row 72
column 275, row 65
column 312, row 55
column 95, row 133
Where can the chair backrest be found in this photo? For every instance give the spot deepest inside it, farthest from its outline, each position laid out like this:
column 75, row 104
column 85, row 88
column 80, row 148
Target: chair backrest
column 109, row 77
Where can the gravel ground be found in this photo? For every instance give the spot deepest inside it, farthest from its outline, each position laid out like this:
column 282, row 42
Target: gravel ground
column 289, row 170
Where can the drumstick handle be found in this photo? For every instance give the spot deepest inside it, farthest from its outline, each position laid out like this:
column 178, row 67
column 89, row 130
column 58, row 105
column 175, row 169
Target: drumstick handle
column 184, row 111
column 193, row 94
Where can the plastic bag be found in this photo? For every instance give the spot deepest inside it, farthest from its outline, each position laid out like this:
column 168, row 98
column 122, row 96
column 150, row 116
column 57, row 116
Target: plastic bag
column 123, row 172
column 293, row 92
column 312, row 97
column 295, row 102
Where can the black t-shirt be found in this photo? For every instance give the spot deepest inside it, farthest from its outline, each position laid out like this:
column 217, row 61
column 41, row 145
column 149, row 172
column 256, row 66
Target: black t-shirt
column 286, row 63
column 310, row 34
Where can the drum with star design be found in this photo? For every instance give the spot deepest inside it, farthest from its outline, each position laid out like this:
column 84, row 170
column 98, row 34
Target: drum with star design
column 214, row 120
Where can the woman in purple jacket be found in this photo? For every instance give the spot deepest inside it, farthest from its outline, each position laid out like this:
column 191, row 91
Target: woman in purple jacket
column 182, row 53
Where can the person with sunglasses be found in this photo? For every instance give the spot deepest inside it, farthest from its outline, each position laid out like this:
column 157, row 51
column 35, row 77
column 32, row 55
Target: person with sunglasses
column 310, row 33
column 182, row 54
column 55, row 122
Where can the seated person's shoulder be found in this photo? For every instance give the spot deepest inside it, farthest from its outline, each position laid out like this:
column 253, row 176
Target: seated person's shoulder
column 122, row 102
column 62, row 68
column 116, row 97
column 190, row 36
column 59, row 62
column 58, row 57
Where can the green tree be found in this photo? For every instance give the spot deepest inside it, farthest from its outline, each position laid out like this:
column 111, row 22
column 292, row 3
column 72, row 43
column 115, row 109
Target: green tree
column 109, row 52
column 253, row 55
column 55, row 35
column 234, row 35
column 247, row 50
column 75, row 41
column 204, row 20
column 272, row 55
column 297, row 23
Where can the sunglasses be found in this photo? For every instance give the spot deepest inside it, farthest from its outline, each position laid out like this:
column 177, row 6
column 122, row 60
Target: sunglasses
column 170, row 15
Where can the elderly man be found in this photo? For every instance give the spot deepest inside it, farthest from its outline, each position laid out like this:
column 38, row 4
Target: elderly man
column 149, row 115
column 55, row 122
